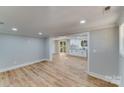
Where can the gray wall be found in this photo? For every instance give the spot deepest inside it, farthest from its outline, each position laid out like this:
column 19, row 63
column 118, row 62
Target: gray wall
column 17, row 50
column 121, row 58
column 49, row 48
column 56, row 46
column 121, row 53
column 104, row 48
column 122, row 70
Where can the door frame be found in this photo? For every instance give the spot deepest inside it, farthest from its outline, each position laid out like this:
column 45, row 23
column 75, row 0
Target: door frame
column 88, row 59
column 59, row 45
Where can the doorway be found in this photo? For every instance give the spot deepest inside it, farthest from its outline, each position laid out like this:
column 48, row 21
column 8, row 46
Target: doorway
column 62, row 46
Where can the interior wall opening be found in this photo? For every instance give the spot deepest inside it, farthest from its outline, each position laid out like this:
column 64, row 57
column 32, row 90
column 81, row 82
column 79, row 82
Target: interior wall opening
column 75, row 46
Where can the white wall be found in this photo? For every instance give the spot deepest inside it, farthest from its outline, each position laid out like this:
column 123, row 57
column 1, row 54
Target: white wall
column 104, row 52
column 17, row 50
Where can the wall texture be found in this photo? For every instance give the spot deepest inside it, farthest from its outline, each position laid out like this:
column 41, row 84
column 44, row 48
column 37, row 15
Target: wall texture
column 17, row 50
column 104, row 48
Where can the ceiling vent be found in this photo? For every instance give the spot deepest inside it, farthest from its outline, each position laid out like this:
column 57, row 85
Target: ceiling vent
column 107, row 10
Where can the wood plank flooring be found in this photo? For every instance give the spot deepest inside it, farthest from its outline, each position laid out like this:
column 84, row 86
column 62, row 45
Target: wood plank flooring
column 64, row 71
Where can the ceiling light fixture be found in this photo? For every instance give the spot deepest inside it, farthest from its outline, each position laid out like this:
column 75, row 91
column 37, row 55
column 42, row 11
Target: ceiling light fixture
column 82, row 21
column 40, row 33
column 14, row 29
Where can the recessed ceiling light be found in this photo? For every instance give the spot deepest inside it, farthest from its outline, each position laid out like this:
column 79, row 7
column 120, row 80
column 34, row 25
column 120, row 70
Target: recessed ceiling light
column 82, row 21
column 40, row 33
column 14, row 29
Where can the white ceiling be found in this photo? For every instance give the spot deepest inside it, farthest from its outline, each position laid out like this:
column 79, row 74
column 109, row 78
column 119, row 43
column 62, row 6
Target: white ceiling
column 54, row 21
column 73, row 36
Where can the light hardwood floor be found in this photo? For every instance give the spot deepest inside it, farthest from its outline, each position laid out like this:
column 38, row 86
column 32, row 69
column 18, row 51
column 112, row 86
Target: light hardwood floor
column 64, row 71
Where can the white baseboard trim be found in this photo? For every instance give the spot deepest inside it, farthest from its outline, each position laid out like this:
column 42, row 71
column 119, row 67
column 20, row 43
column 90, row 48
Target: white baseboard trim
column 105, row 78
column 22, row 65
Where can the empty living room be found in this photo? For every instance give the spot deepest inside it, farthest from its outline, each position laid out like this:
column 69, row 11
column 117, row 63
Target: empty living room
column 61, row 46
